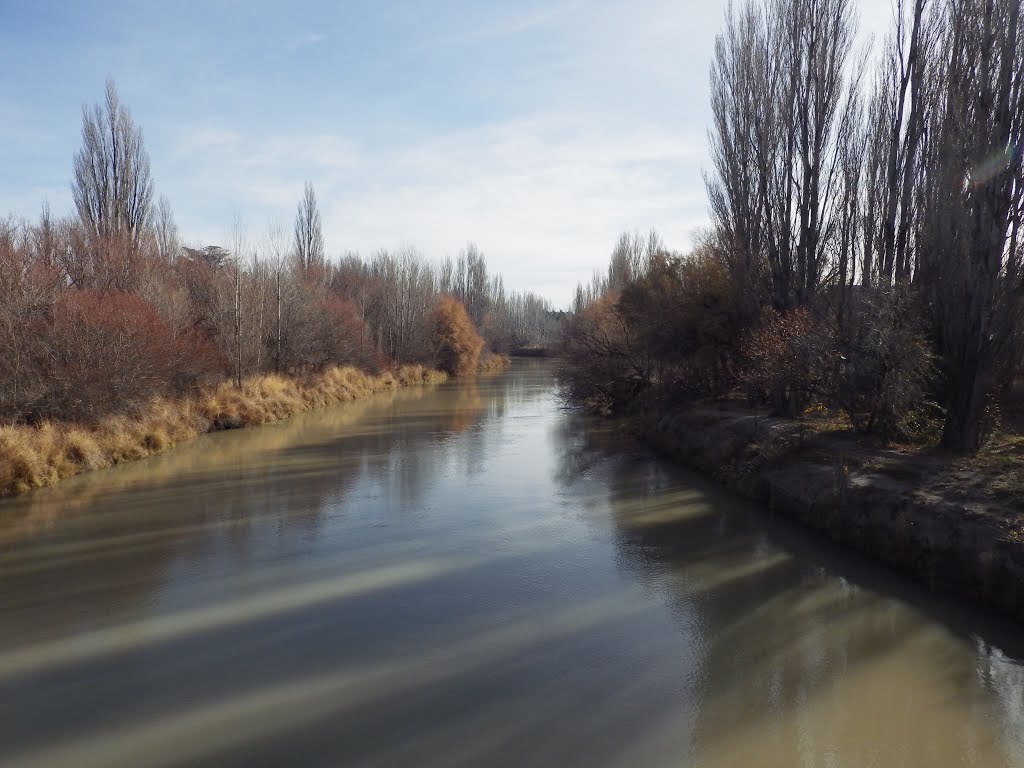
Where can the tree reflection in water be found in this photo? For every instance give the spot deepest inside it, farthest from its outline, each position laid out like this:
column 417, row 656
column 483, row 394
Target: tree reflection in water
column 802, row 647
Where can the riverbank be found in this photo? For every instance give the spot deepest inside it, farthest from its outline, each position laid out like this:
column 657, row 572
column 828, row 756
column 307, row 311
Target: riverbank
column 37, row 456
column 955, row 524
column 532, row 352
column 492, row 362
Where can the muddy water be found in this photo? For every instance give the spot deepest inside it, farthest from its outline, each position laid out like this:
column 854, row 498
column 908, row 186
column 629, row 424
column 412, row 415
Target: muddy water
column 467, row 575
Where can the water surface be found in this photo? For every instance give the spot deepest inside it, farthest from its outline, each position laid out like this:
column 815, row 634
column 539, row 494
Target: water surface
column 467, row 575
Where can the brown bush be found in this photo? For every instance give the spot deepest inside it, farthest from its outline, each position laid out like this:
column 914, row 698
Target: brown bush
column 886, row 368
column 456, row 343
column 603, row 366
column 108, row 351
column 492, row 362
column 671, row 332
column 343, row 337
column 684, row 315
column 787, row 359
column 876, row 369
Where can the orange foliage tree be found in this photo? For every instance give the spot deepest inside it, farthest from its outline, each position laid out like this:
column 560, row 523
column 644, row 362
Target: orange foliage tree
column 456, row 343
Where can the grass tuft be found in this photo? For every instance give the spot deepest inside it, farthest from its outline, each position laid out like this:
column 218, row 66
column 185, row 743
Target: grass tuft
column 35, row 456
column 493, row 362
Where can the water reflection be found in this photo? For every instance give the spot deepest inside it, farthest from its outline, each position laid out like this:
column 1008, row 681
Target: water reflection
column 467, row 576
column 800, row 664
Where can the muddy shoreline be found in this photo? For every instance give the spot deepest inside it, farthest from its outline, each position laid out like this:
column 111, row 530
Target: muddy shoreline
column 880, row 503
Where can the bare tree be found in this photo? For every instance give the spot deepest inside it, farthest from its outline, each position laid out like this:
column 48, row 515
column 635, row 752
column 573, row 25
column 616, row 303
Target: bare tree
column 112, row 187
column 631, row 256
column 972, row 258
column 736, row 190
column 781, row 96
column 897, row 120
column 309, row 238
column 785, row 103
column 165, row 231
column 817, row 38
column 407, row 289
column 275, row 247
column 239, row 247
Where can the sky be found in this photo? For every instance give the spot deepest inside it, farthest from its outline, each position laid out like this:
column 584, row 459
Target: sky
column 538, row 130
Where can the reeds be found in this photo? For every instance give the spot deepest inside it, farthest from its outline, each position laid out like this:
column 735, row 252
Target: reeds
column 492, row 362
column 35, row 456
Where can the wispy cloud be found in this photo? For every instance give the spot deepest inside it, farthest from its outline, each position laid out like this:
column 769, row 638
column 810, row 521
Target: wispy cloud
column 537, row 128
column 305, row 41
column 544, row 196
column 199, row 138
column 516, row 22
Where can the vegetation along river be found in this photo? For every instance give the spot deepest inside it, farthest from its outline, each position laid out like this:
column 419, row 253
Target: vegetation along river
column 468, row 575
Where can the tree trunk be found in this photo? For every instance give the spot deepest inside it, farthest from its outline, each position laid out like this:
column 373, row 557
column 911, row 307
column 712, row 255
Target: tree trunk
column 277, row 349
column 961, row 431
column 238, row 327
column 786, row 402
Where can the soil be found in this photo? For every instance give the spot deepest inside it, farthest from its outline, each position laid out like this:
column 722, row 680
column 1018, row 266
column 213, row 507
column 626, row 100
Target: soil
column 954, row 523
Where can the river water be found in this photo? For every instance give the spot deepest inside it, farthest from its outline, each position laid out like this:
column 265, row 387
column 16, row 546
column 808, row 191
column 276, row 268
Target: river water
column 468, row 575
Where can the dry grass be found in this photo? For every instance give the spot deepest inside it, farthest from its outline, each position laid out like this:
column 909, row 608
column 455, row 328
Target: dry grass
column 35, row 456
column 492, row 362
column 996, row 470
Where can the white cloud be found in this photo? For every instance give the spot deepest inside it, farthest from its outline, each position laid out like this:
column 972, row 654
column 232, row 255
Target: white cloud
column 305, row 41
column 540, row 131
column 197, row 139
column 544, row 197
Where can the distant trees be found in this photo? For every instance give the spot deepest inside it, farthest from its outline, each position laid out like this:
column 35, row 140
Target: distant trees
column 100, row 312
column 80, row 347
column 508, row 321
column 466, row 279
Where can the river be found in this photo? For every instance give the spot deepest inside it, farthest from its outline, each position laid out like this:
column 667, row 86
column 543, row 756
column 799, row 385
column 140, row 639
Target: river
column 468, row 575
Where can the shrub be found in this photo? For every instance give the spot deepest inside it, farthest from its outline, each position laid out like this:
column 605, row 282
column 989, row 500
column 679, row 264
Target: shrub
column 876, row 367
column 886, row 367
column 684, row 314
column 492, row 362
column 786, row 359
column 343, row 339
column 456, row 343
column 672, row 331
column 109, row 351
column 603, row 366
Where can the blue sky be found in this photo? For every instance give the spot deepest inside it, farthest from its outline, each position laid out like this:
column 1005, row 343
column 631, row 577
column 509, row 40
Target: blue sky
column 538, row 130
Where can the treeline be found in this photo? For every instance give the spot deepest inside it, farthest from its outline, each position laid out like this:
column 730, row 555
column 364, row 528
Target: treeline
column 865, row 251
column 103, row 310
